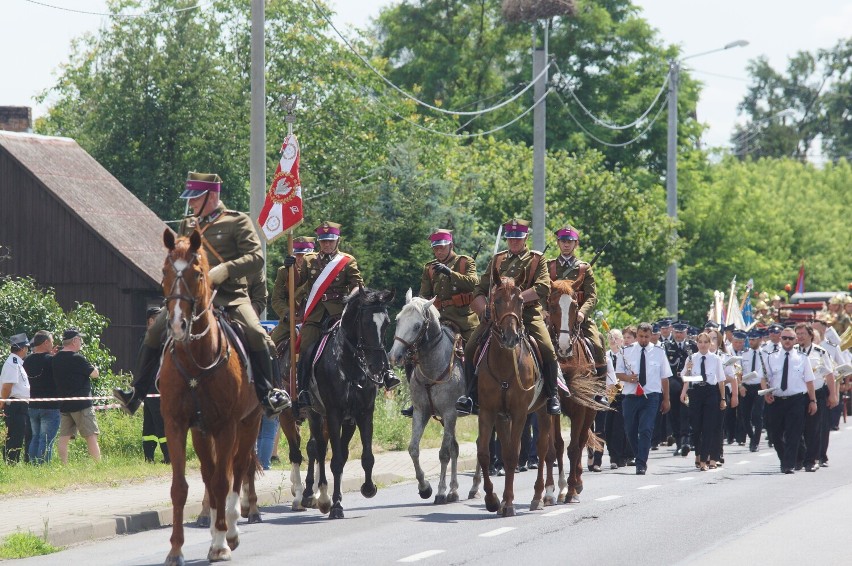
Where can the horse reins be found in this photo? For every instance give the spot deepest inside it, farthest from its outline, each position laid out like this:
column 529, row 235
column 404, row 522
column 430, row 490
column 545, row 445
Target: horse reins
column 360, row 347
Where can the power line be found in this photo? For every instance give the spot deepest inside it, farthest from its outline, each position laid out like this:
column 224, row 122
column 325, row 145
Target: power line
column 609, row 125
column 608, row 144
column 412, row 97
column 108, row 15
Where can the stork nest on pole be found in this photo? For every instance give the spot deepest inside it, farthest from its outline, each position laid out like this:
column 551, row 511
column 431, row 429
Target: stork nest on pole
column 517, row 11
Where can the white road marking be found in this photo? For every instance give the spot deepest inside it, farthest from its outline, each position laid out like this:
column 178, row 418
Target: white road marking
column 687, row 478
column 558, row 512
column 744, row 462
column 767, row 455
column 421, row 555
column 498, row 532
column 608, row 498
column 651, row 486
column 847, row 428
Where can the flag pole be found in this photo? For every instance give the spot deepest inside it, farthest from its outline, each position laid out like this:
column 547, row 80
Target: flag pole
column 290, row 118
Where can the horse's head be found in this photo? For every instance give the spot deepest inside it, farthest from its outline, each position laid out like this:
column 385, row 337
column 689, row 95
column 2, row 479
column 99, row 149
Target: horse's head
column 364, row 321
column 507, row 308
column 185, row 283
column 562, row 308
column 412, row 325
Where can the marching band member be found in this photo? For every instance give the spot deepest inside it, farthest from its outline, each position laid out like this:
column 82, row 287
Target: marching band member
column 678, row 351
column 706, row 401
column 817, row 425
column 751, row 404
column 616, row 441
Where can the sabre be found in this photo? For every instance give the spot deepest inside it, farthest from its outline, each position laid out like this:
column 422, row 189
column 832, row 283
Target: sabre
column 599, row 252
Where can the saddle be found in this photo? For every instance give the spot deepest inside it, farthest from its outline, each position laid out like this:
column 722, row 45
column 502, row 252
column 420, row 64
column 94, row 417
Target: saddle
column 482, row 348
column 237, row 335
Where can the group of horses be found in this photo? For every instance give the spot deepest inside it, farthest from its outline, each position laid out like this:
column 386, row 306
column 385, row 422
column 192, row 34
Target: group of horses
column 205, row 390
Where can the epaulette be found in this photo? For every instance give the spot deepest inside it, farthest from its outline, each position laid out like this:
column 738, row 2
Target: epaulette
column 14, row 360
column 660, row 345
column 231, row 212
column 819, row 349
column 502, row 252
column 536, row 252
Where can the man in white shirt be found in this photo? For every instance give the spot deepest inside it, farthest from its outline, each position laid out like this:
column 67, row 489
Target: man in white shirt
column 645, row 371
column 791, row 379
column 817, row 426
column 14, row 384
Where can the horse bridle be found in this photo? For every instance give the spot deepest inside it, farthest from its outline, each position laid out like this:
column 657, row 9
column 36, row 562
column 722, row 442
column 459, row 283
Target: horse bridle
column 414, row 346
column 497, row 327
column 173, row 296
column 360, row 347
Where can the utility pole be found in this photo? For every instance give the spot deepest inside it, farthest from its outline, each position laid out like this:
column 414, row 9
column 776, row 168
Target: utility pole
column 257, row 145
column 671, row 183
column 539, row 141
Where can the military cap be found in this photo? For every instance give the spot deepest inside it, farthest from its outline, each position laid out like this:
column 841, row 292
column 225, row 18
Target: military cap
column 761, row 305
column 71, row 333
column 568, row 233
column 847, row 299
column 441, row 237
column 328, row 231
column 516, row 228
column 728, row 328
column 754, row 334
column 655, row 328
column 40, row 338
column 711, row 325
column 775, row 328
column 740, row 334
column 199, row 183
column 664, row 322
column 776, row 297
column 694, row 331
column 303, row 245
column 19, row 341
column 681, row 325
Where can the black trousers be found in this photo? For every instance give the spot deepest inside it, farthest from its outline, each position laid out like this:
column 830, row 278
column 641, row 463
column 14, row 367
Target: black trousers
column 616, row 440
column 787, row 422
column 17, row 425
column 678, row 414
column 751, row 414
column 599, row 428
column 704, row 414
column 529, row 440
column 814, row 426
column 733, row 430
column 153, row 430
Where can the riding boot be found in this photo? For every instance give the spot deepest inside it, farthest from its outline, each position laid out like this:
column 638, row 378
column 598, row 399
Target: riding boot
column 468, row 404
column 148, row 364
column 551, row 368
column 271, row 399
column 390, row 379
column 409, row 411
column 303, row 399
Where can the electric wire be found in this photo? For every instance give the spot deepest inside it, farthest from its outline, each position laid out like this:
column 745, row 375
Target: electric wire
column 387, row 81
column 608, row 144
column 108, row 15
column 603, row 123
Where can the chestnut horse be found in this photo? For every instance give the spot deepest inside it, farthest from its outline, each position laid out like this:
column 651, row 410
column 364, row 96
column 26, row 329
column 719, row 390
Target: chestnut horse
column 578, row 368
column 205, row 389
column 509, row 389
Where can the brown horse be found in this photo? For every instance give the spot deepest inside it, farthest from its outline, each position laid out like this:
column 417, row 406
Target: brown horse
column 204, row 388
column 578, row 368
column 509, row 389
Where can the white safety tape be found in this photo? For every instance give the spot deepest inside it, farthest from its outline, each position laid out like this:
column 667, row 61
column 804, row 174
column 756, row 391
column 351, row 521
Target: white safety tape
column 34, row 399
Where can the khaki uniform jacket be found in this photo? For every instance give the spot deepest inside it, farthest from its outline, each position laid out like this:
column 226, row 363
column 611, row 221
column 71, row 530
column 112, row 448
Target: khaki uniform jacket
column 281, row 300
column 456, row 288
column 519, row 267
column 570, row 272
column 257, row 291
column 229, row 235
column 347, row 280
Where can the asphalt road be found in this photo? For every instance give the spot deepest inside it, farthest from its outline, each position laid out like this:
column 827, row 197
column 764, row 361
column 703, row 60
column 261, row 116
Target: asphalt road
column 743, row 513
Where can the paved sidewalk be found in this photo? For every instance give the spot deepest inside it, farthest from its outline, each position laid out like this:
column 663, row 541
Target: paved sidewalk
column 93, row 513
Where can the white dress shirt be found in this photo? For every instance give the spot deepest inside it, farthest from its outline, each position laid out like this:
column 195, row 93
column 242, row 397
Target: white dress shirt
column 14, row 373
column 753, row 361
column 818, row 357
column 656, row 367
column 712, row 366
column 798, row 374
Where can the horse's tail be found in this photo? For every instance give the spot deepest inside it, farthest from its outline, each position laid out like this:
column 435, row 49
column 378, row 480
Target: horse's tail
column 584, row 388
column 594, row 442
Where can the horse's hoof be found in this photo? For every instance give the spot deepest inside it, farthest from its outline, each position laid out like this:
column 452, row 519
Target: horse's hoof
column 440, row 500
column 324, row 508
column 453, row 497
column 369, row 490
column 244, row 512
column 203, row 522
column 473, row 494
column 508, row 511
column 175, row 561
column 560, row 499
column 254, row 518
column 579, row 489
column 297, row 506
column 426, row 493
column 549, row 501
column 308, row 502
column 491, row 502
column 336, row 513
column 573, row 499
column 219, row 555
column 536, row 505
column 233, row 543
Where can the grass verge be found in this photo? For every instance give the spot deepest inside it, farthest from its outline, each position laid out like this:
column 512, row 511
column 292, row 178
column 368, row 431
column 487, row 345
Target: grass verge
column 25, row 545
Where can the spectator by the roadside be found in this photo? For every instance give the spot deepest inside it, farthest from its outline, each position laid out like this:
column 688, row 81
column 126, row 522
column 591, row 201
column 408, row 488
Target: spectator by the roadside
column 73, row 375
column 15, row 385
column 44, row 415
column 153, row 429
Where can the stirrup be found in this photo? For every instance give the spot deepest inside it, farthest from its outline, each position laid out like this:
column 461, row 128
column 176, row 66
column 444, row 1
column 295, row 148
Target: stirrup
column 553, row 407
column 407, row 412
column 275, row 402
column 391, row 382
column 126, row 399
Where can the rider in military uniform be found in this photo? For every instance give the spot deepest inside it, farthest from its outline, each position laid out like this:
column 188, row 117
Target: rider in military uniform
column 516, row 262
column 450, row 278
column 302, row 247
column 330, row 304
column 234, row 254
column 567, row 266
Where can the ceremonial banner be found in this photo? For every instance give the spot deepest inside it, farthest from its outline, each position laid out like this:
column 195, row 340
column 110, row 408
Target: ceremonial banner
column 282, row 211
column 800, row 282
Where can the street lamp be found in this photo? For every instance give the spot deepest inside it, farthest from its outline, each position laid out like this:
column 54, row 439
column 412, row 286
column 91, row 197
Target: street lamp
column 671, row 164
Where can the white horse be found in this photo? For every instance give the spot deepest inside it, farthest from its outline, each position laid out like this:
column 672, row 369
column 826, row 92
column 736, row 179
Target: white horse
column 436, row 383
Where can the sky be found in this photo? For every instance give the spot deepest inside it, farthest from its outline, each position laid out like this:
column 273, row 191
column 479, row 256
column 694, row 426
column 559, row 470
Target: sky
column 36, row 41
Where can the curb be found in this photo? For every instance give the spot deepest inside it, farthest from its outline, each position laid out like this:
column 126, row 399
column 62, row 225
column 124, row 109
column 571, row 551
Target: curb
column 159, row 517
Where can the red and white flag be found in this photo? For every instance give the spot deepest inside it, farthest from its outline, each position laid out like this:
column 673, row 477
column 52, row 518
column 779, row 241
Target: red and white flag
column 282, row 211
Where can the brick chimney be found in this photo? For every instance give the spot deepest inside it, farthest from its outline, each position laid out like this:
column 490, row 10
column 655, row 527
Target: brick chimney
column 16, row 118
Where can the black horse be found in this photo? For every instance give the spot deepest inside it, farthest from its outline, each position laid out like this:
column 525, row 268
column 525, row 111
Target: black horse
column 347, row 374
